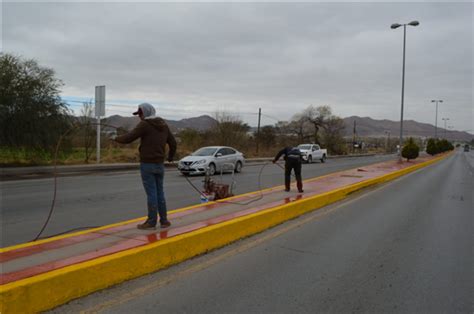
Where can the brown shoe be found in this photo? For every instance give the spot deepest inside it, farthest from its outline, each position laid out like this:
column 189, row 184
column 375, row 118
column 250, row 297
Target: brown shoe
column 146, row 226
column 165, row 224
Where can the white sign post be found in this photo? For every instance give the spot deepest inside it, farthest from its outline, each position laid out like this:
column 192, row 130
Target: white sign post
column 99, row 111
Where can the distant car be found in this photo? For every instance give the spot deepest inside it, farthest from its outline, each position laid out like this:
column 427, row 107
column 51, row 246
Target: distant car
column 312, row 152
column 466, row 147
column 214, row 158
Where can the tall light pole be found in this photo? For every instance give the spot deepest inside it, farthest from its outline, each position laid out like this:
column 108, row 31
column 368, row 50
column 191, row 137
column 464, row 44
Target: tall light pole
column 394, row 26
column 445, row 120
column 387, row 142
column 436, row 119
column 451, row 128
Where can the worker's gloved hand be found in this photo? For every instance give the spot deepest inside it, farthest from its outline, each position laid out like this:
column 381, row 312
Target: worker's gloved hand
column 113, row 137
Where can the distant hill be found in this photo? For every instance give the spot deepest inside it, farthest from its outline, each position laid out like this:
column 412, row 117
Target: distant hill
column 200, row 123
column 368, row 127
column 365, row 127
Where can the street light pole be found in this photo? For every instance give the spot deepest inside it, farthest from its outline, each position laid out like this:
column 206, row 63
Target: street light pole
column 387, row 142
column 436, row 119
column 394, row 26
column 445, row 120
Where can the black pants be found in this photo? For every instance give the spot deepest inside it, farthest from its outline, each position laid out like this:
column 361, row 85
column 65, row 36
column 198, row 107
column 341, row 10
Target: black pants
column 294, row 164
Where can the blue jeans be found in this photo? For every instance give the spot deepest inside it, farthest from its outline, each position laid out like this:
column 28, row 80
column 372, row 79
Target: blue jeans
column 152, row 179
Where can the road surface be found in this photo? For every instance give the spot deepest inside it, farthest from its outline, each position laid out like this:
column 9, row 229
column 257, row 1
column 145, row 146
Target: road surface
column 403, row 247
column 99, row 199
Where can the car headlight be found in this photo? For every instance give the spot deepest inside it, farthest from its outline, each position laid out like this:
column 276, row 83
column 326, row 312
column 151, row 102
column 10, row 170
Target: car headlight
column 200, row 162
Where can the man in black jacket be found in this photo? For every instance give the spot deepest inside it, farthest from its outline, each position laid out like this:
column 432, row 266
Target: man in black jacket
column 292, row 156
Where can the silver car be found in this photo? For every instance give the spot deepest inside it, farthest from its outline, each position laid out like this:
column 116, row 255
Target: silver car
column 215, row 158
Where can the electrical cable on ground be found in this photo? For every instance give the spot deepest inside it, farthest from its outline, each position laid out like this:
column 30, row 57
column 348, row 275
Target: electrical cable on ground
column 237, row 203
column 55, row 178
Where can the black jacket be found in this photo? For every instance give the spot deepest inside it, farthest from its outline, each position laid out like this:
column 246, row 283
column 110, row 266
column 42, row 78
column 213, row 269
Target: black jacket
column 292, row 153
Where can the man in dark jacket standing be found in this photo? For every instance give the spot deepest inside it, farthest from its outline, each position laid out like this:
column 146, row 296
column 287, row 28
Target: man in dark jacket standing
column 154, row 134
column 292, row 156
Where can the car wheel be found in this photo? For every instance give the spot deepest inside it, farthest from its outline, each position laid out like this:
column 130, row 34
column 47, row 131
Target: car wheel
column 323, row 159
column 212, row 169
column 238, row 167
column 310, row 159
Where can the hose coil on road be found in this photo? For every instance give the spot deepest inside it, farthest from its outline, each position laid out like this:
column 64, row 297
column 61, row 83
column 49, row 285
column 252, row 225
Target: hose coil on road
column 55, row 178
column 55, row 188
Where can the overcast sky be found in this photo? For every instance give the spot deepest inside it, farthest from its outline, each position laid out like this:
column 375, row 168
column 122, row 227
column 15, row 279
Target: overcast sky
column 190, row 59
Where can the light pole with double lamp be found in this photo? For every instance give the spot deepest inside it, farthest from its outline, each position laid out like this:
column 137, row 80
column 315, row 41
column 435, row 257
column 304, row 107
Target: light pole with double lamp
column 436, row 119
column 394, row 26
column 445, row 120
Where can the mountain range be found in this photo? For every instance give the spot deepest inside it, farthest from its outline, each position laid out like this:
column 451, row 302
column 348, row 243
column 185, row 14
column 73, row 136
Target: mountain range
column 368, row 127
column 200, row 123
column 364, row 127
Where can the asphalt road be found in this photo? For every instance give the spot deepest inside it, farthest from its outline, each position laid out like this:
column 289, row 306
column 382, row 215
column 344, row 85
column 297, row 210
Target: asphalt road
column 104, row 198
column 403, row 247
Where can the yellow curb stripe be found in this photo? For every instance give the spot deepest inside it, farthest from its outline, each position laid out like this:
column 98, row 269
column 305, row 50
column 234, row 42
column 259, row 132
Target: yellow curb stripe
column 72, row 234
column 54, row 288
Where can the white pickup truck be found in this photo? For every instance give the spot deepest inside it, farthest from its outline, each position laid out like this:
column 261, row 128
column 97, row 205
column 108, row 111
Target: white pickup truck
column 312, row 152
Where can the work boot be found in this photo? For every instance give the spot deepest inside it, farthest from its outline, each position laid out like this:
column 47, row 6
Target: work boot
column 299, row 184
column 146, row 226
column 165, row 224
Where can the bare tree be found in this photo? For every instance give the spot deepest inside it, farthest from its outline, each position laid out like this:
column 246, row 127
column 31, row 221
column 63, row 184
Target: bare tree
column 229, row 130
column 332, row 135
column 317, row 117
column 298, row 126
column 267, row 136
column 86, row 120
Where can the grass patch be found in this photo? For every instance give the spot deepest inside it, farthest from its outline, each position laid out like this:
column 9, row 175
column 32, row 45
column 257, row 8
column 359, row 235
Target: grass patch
column 18, row 157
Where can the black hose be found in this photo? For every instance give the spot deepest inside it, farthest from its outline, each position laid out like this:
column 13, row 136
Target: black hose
column 55, row 176
column 238, row 203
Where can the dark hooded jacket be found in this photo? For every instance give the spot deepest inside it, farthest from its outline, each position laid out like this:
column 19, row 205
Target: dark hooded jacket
column 154, row 134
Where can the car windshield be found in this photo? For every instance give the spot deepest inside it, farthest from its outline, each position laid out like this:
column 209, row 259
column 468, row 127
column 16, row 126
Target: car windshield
column 205, row 151
column 307, row 147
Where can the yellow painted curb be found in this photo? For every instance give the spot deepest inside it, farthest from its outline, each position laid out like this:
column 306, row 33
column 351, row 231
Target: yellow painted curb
column 57, row 287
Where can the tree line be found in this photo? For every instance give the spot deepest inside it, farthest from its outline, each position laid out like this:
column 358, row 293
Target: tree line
column 33, row 117
column 32, row 114
column 313, row 125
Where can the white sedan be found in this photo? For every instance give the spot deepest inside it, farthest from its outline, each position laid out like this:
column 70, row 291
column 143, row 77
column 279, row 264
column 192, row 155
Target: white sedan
column 215, row 158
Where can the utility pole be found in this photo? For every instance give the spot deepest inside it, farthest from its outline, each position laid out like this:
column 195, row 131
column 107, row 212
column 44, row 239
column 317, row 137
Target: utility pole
column 445, row 120
column 353, row 137
column 258, row 127
column 436, row 118
column 99, row 111
column 387, row 142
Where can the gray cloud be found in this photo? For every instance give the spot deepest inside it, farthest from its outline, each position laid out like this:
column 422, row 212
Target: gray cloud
column 200, row 57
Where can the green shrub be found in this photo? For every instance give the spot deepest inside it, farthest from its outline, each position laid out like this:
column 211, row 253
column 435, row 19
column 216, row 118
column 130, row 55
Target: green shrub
column 410, row 150
column 432, row 147
column 444, row 145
